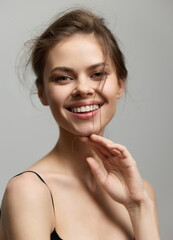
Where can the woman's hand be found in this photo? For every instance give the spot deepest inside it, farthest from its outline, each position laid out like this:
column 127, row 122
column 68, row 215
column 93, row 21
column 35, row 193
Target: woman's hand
column 121, row 180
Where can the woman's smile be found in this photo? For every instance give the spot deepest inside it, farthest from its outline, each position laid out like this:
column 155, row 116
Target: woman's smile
column 85, row 109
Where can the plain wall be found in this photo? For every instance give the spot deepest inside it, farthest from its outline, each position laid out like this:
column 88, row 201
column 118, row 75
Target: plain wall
column 143, row 122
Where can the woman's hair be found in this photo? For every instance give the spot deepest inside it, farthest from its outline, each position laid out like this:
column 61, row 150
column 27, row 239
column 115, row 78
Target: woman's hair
column 78, row 21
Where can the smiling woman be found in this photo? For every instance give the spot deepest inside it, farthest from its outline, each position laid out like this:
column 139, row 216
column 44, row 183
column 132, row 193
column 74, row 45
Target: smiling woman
column 92, row 187
column 70, row 86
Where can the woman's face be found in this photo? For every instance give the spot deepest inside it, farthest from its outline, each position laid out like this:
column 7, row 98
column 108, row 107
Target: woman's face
column 81, row 100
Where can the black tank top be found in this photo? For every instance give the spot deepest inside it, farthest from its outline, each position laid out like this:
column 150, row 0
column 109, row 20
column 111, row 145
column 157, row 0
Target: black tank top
column 54, row 235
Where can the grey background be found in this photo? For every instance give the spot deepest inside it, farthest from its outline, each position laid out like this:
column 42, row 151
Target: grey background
column 143, row 122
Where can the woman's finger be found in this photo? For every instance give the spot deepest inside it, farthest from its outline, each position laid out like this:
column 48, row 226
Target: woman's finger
column 126, row 160
column 115, row 152
column 107, row 146
column 99, row 153
column 101, row 140
column 97, row 171
column 118, row 147
column 101, row 148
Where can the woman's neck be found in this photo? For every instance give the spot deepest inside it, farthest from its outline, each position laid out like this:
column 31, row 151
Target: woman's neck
column 70, row 154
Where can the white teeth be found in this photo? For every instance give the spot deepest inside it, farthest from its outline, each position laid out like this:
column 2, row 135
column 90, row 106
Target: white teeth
column 82, row 109
column 85, row 108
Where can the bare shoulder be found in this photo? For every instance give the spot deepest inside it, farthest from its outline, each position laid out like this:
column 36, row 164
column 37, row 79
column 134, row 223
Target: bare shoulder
column 27, row 187
column 24, row 184
column 27, row 206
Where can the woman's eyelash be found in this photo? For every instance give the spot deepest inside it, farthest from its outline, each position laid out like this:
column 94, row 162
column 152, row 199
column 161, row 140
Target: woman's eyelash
column 99, row 74
column 62, row 78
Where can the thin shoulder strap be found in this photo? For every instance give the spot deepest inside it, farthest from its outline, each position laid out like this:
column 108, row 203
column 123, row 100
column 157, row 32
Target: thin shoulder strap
column 47, row 186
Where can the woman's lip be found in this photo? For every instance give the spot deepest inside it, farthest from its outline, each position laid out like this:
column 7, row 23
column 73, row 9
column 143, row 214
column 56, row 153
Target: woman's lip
column 84, row 103
column 85, row 115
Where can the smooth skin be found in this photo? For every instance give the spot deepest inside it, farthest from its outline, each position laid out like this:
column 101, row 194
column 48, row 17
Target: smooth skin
column 97, row 189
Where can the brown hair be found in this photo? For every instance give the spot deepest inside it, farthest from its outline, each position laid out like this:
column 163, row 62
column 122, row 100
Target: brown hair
column 80, row 21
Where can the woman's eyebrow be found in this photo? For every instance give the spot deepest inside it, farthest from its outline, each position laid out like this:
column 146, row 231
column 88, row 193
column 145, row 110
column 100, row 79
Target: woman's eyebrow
column 63, row 69
column 102, row 64
column 71, row 70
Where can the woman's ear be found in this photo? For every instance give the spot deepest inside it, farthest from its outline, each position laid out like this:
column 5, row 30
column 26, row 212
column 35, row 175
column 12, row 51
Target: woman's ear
column 120, row 88
column 41, row 94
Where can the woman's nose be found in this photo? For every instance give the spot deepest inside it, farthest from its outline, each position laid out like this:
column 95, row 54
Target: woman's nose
column 82, row 88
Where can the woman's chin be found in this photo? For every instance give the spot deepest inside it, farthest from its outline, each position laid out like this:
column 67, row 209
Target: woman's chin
column 87, row 133
column 84, row 131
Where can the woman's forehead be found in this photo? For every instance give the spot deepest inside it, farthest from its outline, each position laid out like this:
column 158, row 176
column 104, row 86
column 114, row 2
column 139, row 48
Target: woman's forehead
column 76, row 44
column 78, row 50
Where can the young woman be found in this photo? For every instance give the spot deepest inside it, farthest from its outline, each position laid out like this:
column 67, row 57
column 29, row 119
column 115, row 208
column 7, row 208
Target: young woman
column 86, row 187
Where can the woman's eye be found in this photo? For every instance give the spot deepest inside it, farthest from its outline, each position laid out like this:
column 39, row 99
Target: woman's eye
column 62, row 78
column 99, row 75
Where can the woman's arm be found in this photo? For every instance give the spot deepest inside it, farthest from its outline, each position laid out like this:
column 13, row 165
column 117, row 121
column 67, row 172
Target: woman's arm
column 144, row 216
column 27, row 209
column 123, row 183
